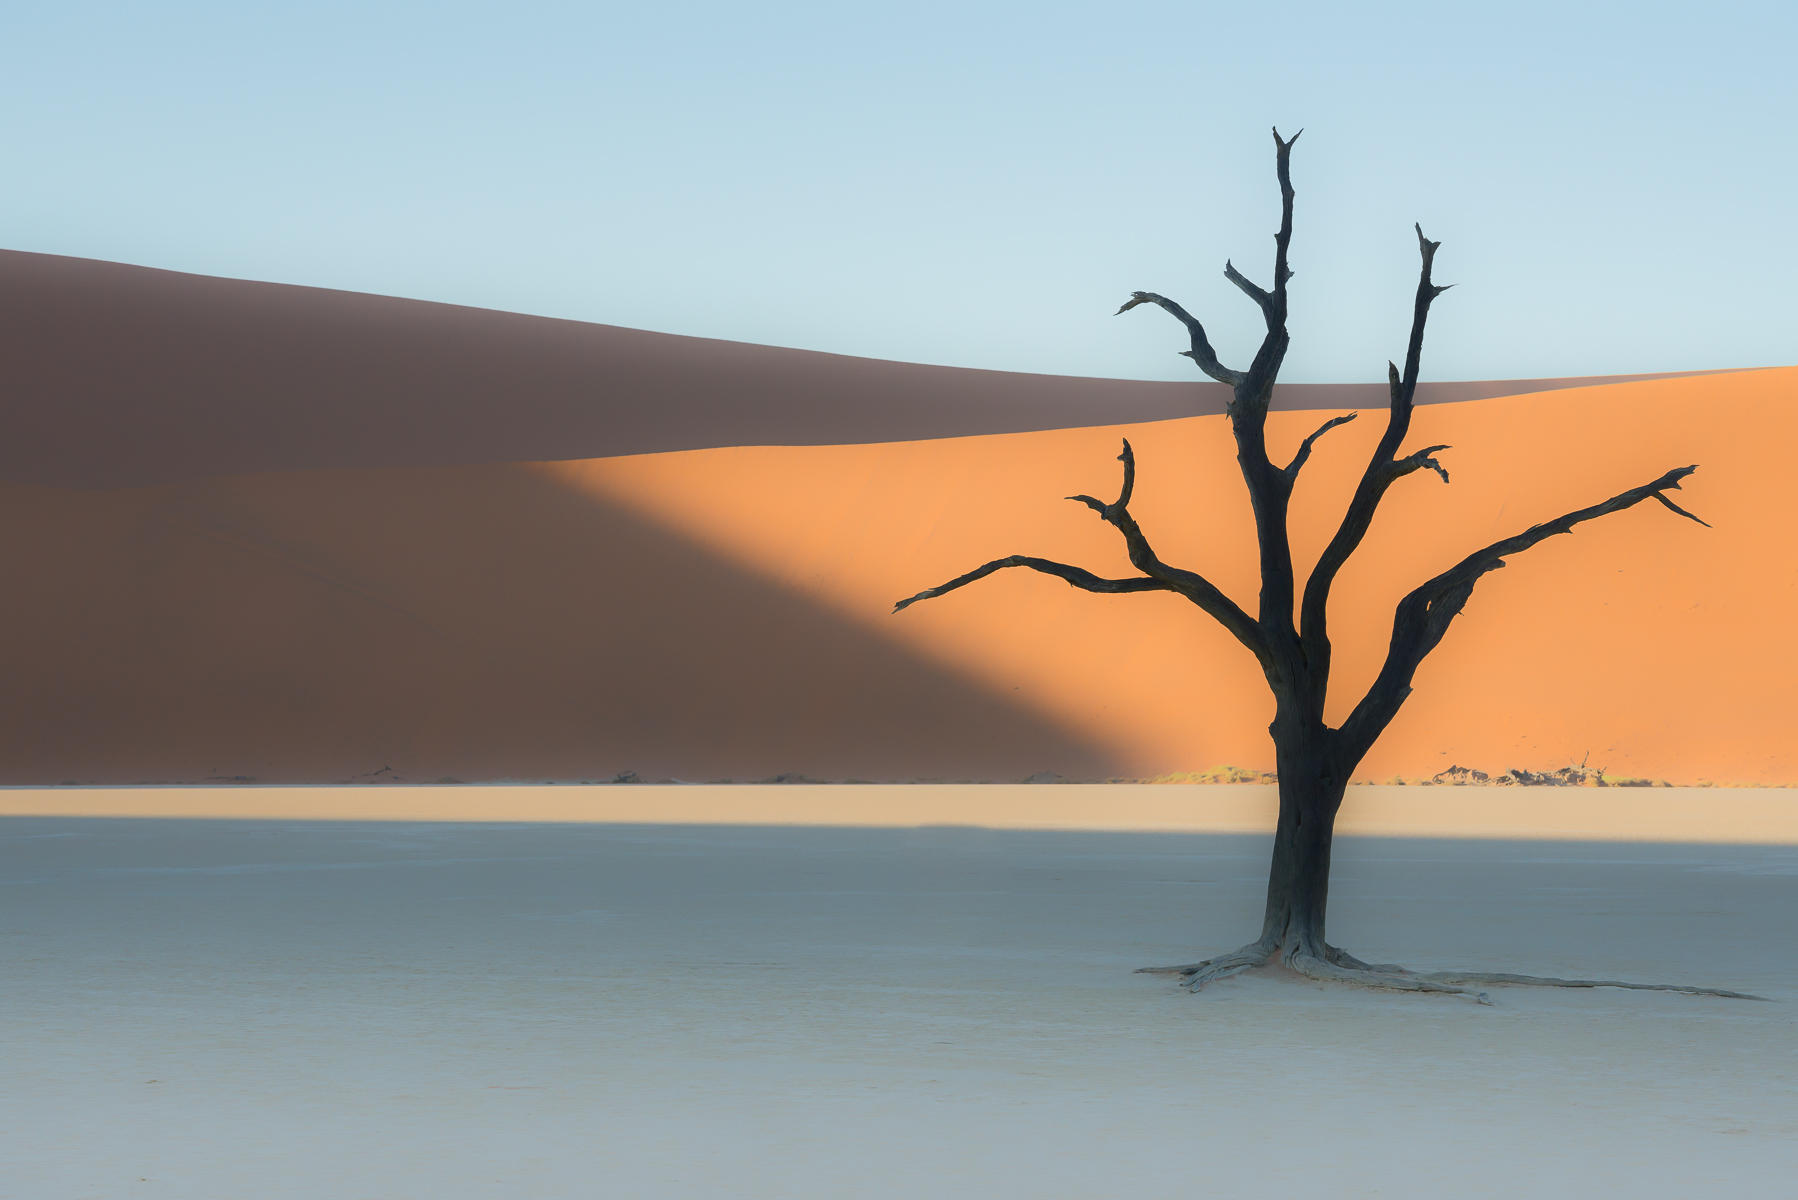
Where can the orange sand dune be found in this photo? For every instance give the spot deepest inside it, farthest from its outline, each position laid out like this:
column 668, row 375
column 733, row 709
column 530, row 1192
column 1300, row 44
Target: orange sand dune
column 1657, row 647
column 272, row 534
column 725, row 613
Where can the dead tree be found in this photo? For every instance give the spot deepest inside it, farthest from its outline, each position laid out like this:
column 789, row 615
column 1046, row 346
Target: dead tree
column 1314, row 761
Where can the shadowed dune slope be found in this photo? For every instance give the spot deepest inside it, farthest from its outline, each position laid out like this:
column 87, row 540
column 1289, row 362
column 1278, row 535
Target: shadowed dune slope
column 122, row 376
column 449, row 624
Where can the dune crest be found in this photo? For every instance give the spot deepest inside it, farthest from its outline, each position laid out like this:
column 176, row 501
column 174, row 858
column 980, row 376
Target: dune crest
column 122, row 376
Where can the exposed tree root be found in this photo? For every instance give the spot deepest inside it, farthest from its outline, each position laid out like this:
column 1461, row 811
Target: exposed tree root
column 1339, row 966
column 1196, row 975
column 1505, row 978
column 1385, row 977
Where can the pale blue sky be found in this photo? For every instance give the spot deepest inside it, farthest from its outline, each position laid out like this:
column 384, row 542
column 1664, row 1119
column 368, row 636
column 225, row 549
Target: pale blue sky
column 962, row 183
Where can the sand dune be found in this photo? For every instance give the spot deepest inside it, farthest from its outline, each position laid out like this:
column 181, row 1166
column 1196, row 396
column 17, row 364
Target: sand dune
column 1660, row 648
column 283, row 535
column 458, row 623
column 123, row 376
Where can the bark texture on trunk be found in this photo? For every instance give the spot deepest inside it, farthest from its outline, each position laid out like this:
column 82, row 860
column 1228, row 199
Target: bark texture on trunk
column 1298, row 880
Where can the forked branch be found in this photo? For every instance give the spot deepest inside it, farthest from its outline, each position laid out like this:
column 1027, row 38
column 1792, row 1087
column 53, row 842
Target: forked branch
column 1383, row 469
column 1283, row 239
column 1157, row 576
column 1194, row 587
column 1298, row 460
column 1424, row 615
column 1255, row 391
column 1110, row 511
column 1417, row 461
column 1254, row 385
column 1263, row 299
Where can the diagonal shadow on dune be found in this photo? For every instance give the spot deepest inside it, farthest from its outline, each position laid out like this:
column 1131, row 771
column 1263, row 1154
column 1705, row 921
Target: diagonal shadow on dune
column 468, row 623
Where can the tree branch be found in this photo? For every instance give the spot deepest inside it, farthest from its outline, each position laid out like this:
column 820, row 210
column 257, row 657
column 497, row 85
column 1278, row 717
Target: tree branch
column 1682, row 512
column 1424, row 615
column 1193, row 586
column 1084, row 580
column 1157, row 575
column 1254, row 386
column 1418, row 461
column 1420, row 312
column 1283, row 239
column 1256, row 389
column 1298, row 460
column 1263, row 300
column 1383, row 469
column 1201, row 351
column 1128, row 458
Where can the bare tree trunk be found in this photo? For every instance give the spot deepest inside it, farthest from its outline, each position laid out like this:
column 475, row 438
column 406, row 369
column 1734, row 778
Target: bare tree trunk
column 1298, row 881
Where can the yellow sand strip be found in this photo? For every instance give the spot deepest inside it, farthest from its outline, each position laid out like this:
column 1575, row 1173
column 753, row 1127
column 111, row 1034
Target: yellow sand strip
column 1763, row 815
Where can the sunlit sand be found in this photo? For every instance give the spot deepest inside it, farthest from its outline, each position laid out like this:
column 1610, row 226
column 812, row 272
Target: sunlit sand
column 1695, row 815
